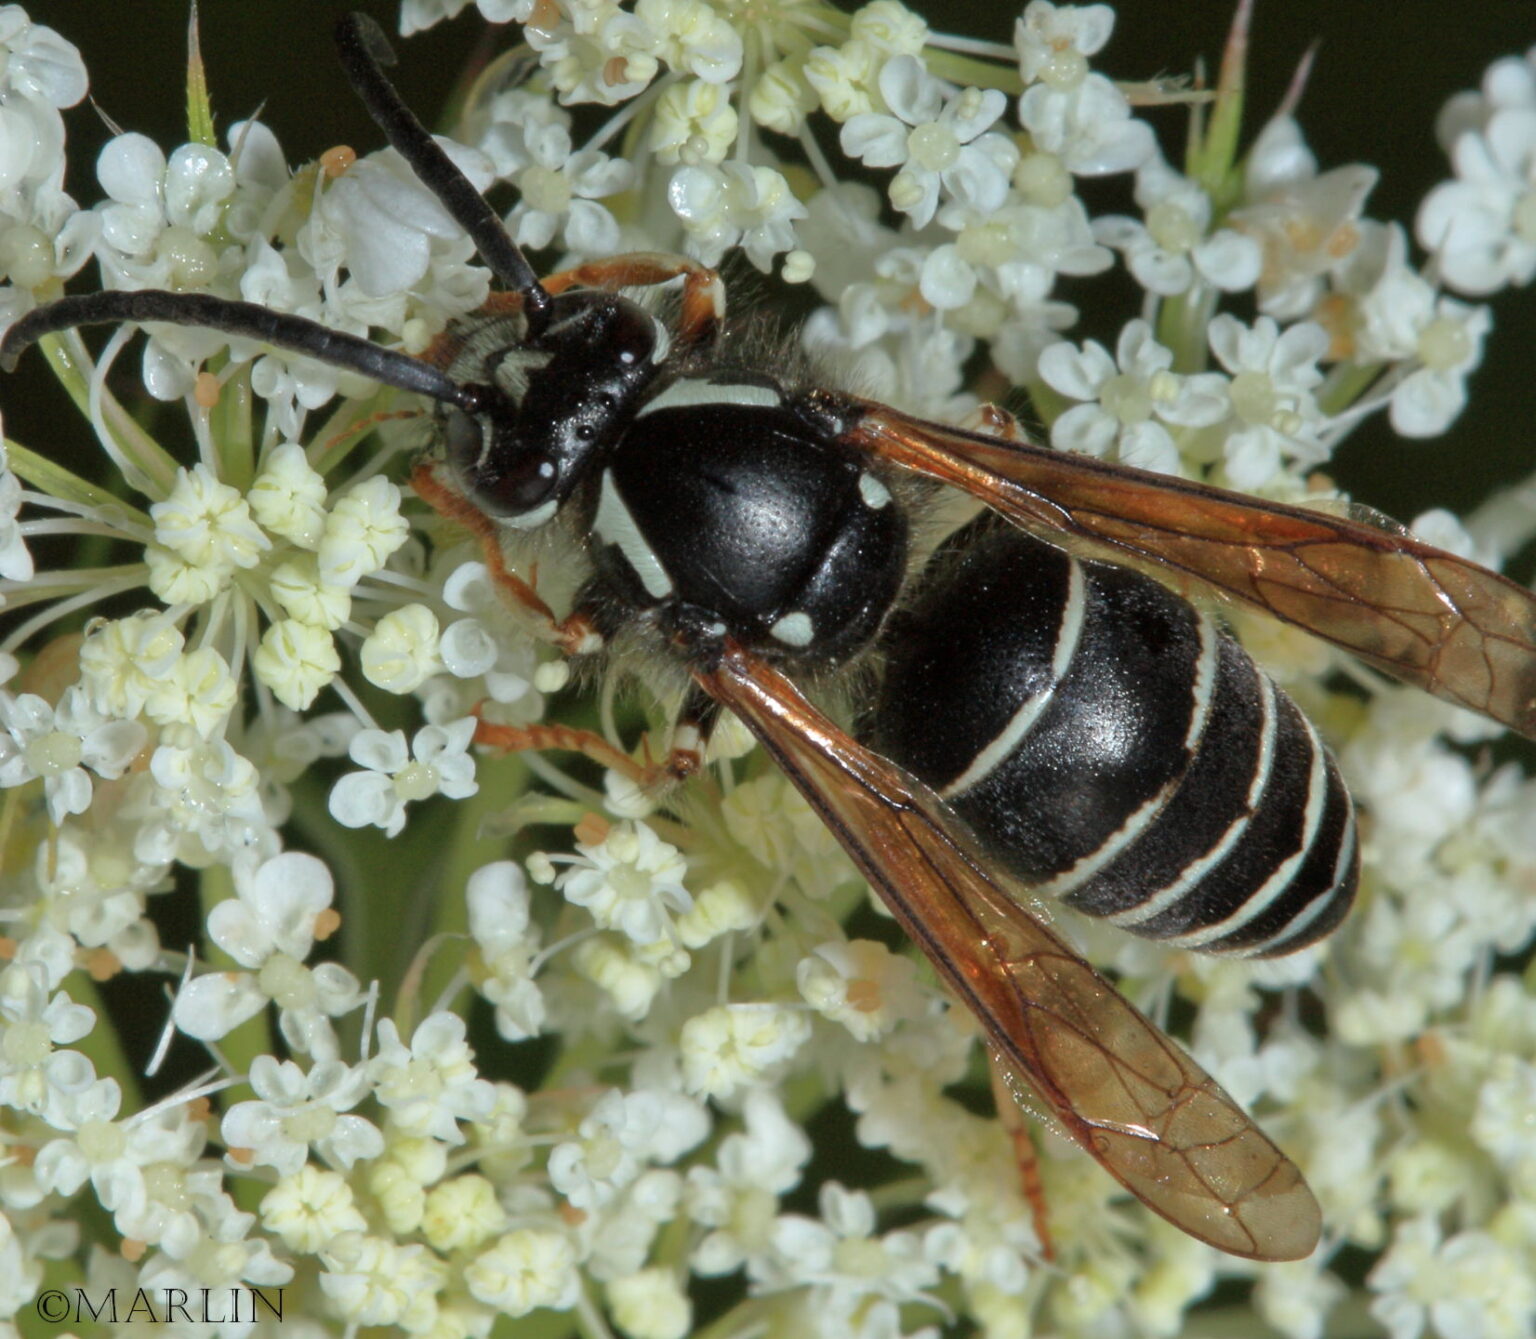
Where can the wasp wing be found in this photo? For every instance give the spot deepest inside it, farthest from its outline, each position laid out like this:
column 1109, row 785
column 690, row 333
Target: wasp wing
column 1124, row 1090
column 1420, row 614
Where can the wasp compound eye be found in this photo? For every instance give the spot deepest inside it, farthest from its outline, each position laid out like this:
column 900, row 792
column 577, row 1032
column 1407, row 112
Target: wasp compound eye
column 508, row 480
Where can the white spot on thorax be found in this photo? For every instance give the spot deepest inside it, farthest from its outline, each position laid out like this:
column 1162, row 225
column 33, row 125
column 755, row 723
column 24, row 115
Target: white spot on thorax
column 875, row 494
column 793, row 629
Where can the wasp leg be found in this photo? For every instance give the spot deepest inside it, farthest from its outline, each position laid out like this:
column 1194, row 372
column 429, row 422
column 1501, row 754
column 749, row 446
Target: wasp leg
column 703, row 292
column 684, row 755
column 691, row 731
column 566, row 738
column 994, row 421
column 1011, row 1115
column 575, row 635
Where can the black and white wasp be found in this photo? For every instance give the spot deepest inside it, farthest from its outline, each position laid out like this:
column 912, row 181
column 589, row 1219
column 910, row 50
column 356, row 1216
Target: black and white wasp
column 1044, row 721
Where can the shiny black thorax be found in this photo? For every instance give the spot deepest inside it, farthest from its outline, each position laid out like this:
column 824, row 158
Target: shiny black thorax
column 764, row 526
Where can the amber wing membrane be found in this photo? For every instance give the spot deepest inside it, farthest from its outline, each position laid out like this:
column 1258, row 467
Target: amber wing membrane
column 1156, row 1121
column 1420, row 614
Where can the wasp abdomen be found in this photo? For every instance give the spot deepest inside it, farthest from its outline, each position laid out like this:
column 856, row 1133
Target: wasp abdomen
column 1106, row 743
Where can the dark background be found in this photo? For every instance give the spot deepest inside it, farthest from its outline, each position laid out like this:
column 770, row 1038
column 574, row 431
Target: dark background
column 1382, row 72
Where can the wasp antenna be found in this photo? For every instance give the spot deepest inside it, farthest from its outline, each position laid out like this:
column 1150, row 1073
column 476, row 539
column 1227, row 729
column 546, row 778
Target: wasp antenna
column 245, row 319
column 364, row 52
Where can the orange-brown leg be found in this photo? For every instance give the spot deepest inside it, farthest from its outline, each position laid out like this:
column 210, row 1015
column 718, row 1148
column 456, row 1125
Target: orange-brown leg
column 678, row 765
column 703, row 291
column 1011, row 1114
column 994, row 421
column 574, row 635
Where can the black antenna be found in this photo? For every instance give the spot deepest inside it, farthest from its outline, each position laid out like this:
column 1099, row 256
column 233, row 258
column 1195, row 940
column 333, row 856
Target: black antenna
column 364, row 52
column 246, row 320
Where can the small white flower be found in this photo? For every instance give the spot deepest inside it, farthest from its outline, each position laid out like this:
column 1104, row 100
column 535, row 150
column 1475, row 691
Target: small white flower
column 1481, row 227
column 1469, row 1284
column 933, row 142
column 288, row 496
column 734, row 1046
column 631, row 881
column 280, row 908
column 437, row 763
column 1297, row 1297
column 1071, row 112
column 1275, row 416
column 650, row 1304
column 861, row 984
column 296, row 659
column 722, row 908
column 1132, row 400
column 430, row 1086
column 58, row 744
column 488, row 641
column 597, row 53
column 34, row 1024
column 523, row 1270
column 123, row 660
column 738, row 1197
column 199, row 691
column 1502, row 1123
column 1401, row 319
column 618, row 1137
column 1173, row 246
column 842, row 1251
column 1308, row 223
column 383, row 224
column 154, row 199
column 401, row 653
column 462, row 1213
column 845, row 77
column 15, row 559
column 306, row 597
column 694, row 37
column 559, row 200
column 208, row 523
column 113, row 1154
column 695, row 123
column 735, row 204
column 206, row 802
column 375, row 1281
column 310, row 1208
column 39, row 64
column 614, row 966
column 295, row 1111
column 363, row 529
column 499, row 923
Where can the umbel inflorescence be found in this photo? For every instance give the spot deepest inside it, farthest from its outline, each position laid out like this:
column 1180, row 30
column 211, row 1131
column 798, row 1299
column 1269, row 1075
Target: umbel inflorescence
column 244, row 656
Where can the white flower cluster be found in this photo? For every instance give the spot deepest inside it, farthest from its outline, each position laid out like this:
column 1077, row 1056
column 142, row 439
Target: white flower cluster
column 262, row 660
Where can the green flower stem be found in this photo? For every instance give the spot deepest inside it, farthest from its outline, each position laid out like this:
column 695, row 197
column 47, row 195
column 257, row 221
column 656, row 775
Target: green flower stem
column 148, row 466
column 1182, row 326
column 230, row 425
column 242, row 1045
column 103, row 1046
column 48, row 476
column 465, row 849
column 351, row 424
column 1346, row 383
